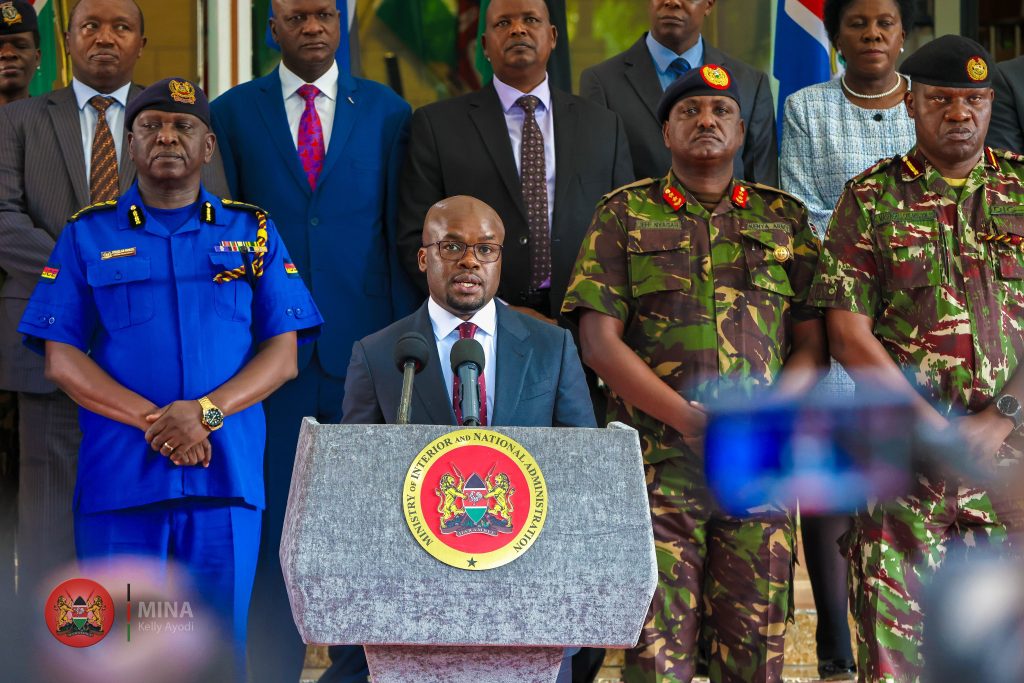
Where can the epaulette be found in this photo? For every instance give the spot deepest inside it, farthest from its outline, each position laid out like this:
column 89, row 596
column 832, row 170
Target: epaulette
column 110, row 204
column 875, row 168
column 1007, row 154
column 242, row 206
column 638, row 183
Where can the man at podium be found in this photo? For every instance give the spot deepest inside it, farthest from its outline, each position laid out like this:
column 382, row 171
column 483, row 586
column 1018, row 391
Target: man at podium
column 532, row 375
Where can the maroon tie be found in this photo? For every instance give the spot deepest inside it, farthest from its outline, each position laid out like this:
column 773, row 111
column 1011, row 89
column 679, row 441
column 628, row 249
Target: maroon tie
column 468, row 331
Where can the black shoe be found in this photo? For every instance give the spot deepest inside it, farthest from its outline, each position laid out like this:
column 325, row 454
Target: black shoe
column 837, row 670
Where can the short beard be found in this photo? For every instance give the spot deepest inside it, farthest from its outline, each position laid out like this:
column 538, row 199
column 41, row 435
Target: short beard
column 464, row 307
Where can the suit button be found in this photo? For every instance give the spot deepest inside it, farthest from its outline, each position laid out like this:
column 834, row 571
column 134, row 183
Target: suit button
column 524, row 240
column 314, row 221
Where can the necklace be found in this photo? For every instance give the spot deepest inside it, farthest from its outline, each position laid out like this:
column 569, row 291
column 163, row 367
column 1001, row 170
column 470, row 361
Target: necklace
column 899, row 82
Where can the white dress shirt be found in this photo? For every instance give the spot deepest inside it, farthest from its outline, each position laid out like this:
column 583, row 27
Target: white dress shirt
column 87, row 117
column 446, row 333
column 295, row 104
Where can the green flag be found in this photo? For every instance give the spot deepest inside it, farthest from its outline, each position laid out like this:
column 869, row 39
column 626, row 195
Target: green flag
column 427, row 27
column 52, row 71
column 559, row 71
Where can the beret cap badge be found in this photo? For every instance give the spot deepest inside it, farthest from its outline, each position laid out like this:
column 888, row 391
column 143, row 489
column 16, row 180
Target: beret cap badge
column 715, row 76
column 10, row 13
column 977, row 69
column 182, row 92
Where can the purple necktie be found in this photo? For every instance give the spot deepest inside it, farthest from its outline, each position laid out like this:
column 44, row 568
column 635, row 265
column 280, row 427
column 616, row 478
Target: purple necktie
column 311, row 136
column 533, row 176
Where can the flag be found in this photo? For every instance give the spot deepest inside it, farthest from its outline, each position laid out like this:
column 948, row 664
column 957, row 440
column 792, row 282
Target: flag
column 802, row 51
column 53, row 68
column 348, row 48
column 559, row 69
column 428, row 28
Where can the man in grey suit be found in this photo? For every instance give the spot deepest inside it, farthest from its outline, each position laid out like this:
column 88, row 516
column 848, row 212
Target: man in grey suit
column 1006, row 131
column 59, row 153
column 532, row 375
column 631, row 85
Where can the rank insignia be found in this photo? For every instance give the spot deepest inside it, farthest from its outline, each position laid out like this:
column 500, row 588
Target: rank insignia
column 740, row 196
column 136, row 217
column 977, row 69
column 291, row 270
column 182, row 92
column 910, row 166
column 715, row 76
column 50, row 273
column 117, row 253
column 10, row 13
column 674, row 198
column 782, row 254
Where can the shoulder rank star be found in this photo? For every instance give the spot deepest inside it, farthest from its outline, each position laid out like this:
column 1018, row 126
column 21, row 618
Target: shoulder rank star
column 740, row 196
column 674, row 198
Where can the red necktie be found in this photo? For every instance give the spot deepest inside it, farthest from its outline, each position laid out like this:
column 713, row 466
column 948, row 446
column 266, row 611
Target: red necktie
column 467, row 331
column 311, row 136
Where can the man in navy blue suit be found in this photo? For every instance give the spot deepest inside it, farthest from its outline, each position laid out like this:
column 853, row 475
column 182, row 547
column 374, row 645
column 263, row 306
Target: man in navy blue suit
column 320, row 150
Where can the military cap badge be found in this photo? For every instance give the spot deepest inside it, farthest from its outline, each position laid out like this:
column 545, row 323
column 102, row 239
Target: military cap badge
column 182, row 92
column 715, row 76
column 977, row 69
column 10, row 13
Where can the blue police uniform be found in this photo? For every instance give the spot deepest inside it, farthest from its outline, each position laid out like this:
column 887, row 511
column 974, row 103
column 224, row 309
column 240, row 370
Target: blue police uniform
column 172, row 315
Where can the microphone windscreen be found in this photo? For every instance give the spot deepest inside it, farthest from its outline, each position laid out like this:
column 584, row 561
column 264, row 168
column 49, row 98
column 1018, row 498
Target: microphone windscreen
column 412, row 346
column 467, row 351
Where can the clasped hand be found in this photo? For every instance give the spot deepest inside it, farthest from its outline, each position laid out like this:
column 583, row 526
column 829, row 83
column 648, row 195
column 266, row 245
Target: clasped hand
column 176, row 431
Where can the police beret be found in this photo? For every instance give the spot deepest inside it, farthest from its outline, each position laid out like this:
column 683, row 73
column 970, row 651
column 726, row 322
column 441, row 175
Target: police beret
column 709, row 79
column 17, row 16
column 950, row 62
column 177, row 95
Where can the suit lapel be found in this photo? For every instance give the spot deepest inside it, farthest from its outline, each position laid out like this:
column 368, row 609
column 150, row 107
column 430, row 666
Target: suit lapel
column 271, row 108
column 642, row 76
column 344, row 118
column 486, row 113
column 126, row 173
column 64, row 116
column 566, row 129
column 513, row 358
column 429, row 391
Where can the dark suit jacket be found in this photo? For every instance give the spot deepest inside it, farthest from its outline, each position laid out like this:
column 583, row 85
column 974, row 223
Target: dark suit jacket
column 43, row 182
column 538, row 377
column 1006, row 130
column 628, row 85
column 341, row 236
column 461, row 147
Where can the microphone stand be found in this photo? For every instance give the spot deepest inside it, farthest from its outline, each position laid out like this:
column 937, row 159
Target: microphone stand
column 405, row 404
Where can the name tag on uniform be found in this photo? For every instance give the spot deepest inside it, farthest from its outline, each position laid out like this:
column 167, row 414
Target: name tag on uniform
column 657, row 225
column 117, row 253
column 766, row 226
column 904, row 216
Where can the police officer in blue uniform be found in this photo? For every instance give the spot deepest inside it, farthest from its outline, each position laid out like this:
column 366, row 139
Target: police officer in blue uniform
column 168, row 315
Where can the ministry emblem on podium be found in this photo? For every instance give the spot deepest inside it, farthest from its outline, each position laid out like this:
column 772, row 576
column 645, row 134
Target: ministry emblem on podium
column 475, row 499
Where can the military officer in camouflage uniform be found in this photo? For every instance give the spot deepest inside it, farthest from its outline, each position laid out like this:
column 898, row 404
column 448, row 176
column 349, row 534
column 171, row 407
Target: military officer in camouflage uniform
column 687, row 287
column 923, row 279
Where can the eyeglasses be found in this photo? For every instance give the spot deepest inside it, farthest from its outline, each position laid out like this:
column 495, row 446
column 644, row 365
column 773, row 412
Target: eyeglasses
column 450, row 250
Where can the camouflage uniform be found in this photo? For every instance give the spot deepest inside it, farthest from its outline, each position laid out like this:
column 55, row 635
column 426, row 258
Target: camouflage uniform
column 708, row 302
column 941, row 273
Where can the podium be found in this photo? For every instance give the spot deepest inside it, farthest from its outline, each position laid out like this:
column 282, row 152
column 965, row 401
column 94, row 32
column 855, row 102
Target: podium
column 357, row 575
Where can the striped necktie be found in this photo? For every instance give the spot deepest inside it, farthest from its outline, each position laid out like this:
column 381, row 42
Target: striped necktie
column 103, row 161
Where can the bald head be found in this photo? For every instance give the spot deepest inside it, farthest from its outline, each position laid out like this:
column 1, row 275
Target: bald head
column 461, row 254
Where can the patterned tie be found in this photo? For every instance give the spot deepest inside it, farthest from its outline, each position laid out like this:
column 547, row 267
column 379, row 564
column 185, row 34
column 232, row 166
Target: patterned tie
column 678, row 67
column 533, row 176
column 311, row 136
column 103, row 161
column 467, row 331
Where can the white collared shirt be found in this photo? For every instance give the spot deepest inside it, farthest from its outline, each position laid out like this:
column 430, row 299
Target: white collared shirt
column 514, row 118
column 295, row 104
column 446, row 333
column 87, row 117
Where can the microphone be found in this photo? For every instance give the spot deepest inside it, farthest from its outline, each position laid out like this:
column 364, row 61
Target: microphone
column 468, row 364
column 411, row 355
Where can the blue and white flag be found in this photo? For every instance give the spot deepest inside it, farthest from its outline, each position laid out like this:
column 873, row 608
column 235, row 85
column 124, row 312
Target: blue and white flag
column 802, row 50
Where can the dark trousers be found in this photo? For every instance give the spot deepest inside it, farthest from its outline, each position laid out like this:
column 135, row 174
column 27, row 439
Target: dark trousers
column 276, row 651
column 827, row 569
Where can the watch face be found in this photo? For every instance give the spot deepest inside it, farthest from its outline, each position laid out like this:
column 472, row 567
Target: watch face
column 213, row 417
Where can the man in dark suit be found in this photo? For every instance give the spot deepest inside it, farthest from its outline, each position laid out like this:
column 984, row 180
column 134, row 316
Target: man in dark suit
column 474, row 145
column 1007, row 128
column 59, row 153
column 631, row 84
column 321, row 151
column 532, row 374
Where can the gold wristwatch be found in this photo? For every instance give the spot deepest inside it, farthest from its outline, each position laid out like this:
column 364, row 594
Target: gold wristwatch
column 213, row 418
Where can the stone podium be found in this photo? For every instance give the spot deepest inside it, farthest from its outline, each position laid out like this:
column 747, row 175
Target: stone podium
column 356, row 575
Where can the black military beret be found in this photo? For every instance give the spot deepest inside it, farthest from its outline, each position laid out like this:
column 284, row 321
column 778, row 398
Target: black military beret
column 17, row 16
column 709, row 79
column 176, row 95
column 950, row 62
